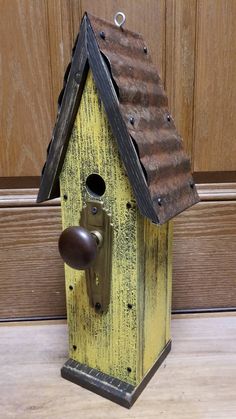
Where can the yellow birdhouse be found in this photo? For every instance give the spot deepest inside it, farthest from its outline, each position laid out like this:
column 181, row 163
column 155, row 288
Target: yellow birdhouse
column 118, row 164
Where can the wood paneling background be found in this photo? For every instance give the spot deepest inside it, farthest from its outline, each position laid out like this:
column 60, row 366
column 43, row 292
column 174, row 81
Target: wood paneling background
column 32, row 280
column 193, row 44
column 180, row 65
column 32, row 274
column 214, row 147
column 204, row 262
column 26, row 88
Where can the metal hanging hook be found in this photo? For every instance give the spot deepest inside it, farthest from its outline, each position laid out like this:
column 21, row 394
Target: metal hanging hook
column 119, row 19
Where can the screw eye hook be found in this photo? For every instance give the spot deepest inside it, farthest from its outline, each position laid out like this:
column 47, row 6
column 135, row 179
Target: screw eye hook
column 119, row 19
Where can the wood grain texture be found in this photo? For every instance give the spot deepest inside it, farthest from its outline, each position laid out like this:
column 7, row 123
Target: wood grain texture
column 36, row 41
column 146, row 17
column 25, row 87
column 31, row 271
column 180, row 65
column 76, row 15
column 122, row 338
column 217, row 191
column 192, row 46
column 214, row 177
column 61, row 40
column 204, row 245
column 22, row 198
column 204, row 268
column 20, row 182
column 215, row 86
column 197, row 379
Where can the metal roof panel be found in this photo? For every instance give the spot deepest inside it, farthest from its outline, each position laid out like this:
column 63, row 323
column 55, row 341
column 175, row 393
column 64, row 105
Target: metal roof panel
column 144, row 107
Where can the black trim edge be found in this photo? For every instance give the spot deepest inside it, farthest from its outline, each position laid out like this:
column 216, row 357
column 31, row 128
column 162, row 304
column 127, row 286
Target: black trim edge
column 107, row 386
column 68, row 108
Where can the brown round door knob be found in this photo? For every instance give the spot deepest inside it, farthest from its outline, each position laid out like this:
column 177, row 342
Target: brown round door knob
column 78, row 247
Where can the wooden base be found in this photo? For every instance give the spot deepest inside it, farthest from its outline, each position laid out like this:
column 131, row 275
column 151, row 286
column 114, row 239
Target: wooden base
column 109, row 387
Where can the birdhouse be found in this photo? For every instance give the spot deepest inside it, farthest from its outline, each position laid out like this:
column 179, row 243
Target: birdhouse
column 117, row 162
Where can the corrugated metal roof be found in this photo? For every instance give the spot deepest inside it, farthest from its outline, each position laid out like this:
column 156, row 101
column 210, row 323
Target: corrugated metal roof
column 144, row 107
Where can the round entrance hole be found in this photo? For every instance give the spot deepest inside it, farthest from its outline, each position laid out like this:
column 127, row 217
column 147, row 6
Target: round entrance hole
column 95, row 185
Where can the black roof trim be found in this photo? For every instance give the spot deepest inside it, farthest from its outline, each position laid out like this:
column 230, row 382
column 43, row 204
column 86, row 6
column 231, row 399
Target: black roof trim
column 70, row 99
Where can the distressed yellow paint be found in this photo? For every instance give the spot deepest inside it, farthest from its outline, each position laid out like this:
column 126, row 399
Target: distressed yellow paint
column 157, row 295
column 169, row 281
column 121, row 338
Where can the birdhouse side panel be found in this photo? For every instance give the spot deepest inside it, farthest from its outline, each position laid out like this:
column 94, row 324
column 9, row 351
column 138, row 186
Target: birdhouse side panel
column 105, row 341
column 157, row 277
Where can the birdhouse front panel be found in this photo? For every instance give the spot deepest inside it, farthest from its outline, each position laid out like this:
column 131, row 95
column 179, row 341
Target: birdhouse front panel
column 123, row 336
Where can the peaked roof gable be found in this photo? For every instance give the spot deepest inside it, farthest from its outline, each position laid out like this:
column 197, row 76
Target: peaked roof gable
column 136, row 105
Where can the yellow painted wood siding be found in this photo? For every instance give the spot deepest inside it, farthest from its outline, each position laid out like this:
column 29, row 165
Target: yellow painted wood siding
column 157, row 290
column 113, row 342
column 107, row 342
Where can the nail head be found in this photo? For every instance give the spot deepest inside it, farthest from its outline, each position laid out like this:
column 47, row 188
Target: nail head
column 77, row 77
column 98, row 306
column 102, row 35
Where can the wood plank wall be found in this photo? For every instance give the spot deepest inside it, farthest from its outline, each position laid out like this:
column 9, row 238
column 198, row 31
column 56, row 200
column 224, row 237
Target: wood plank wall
column 193, row 45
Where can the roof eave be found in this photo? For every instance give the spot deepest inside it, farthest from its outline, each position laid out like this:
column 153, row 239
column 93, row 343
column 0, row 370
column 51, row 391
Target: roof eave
column 49, row 187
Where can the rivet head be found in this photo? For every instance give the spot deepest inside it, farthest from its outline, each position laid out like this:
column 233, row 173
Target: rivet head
column 102, row 35
column 98, row 306
column 145, row 50
column 131, row 120
column 77, row 77
column 191, row 183
column 94, row 210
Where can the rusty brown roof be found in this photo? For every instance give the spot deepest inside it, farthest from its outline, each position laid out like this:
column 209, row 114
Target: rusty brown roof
column 144, row 106
column 149, row 144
